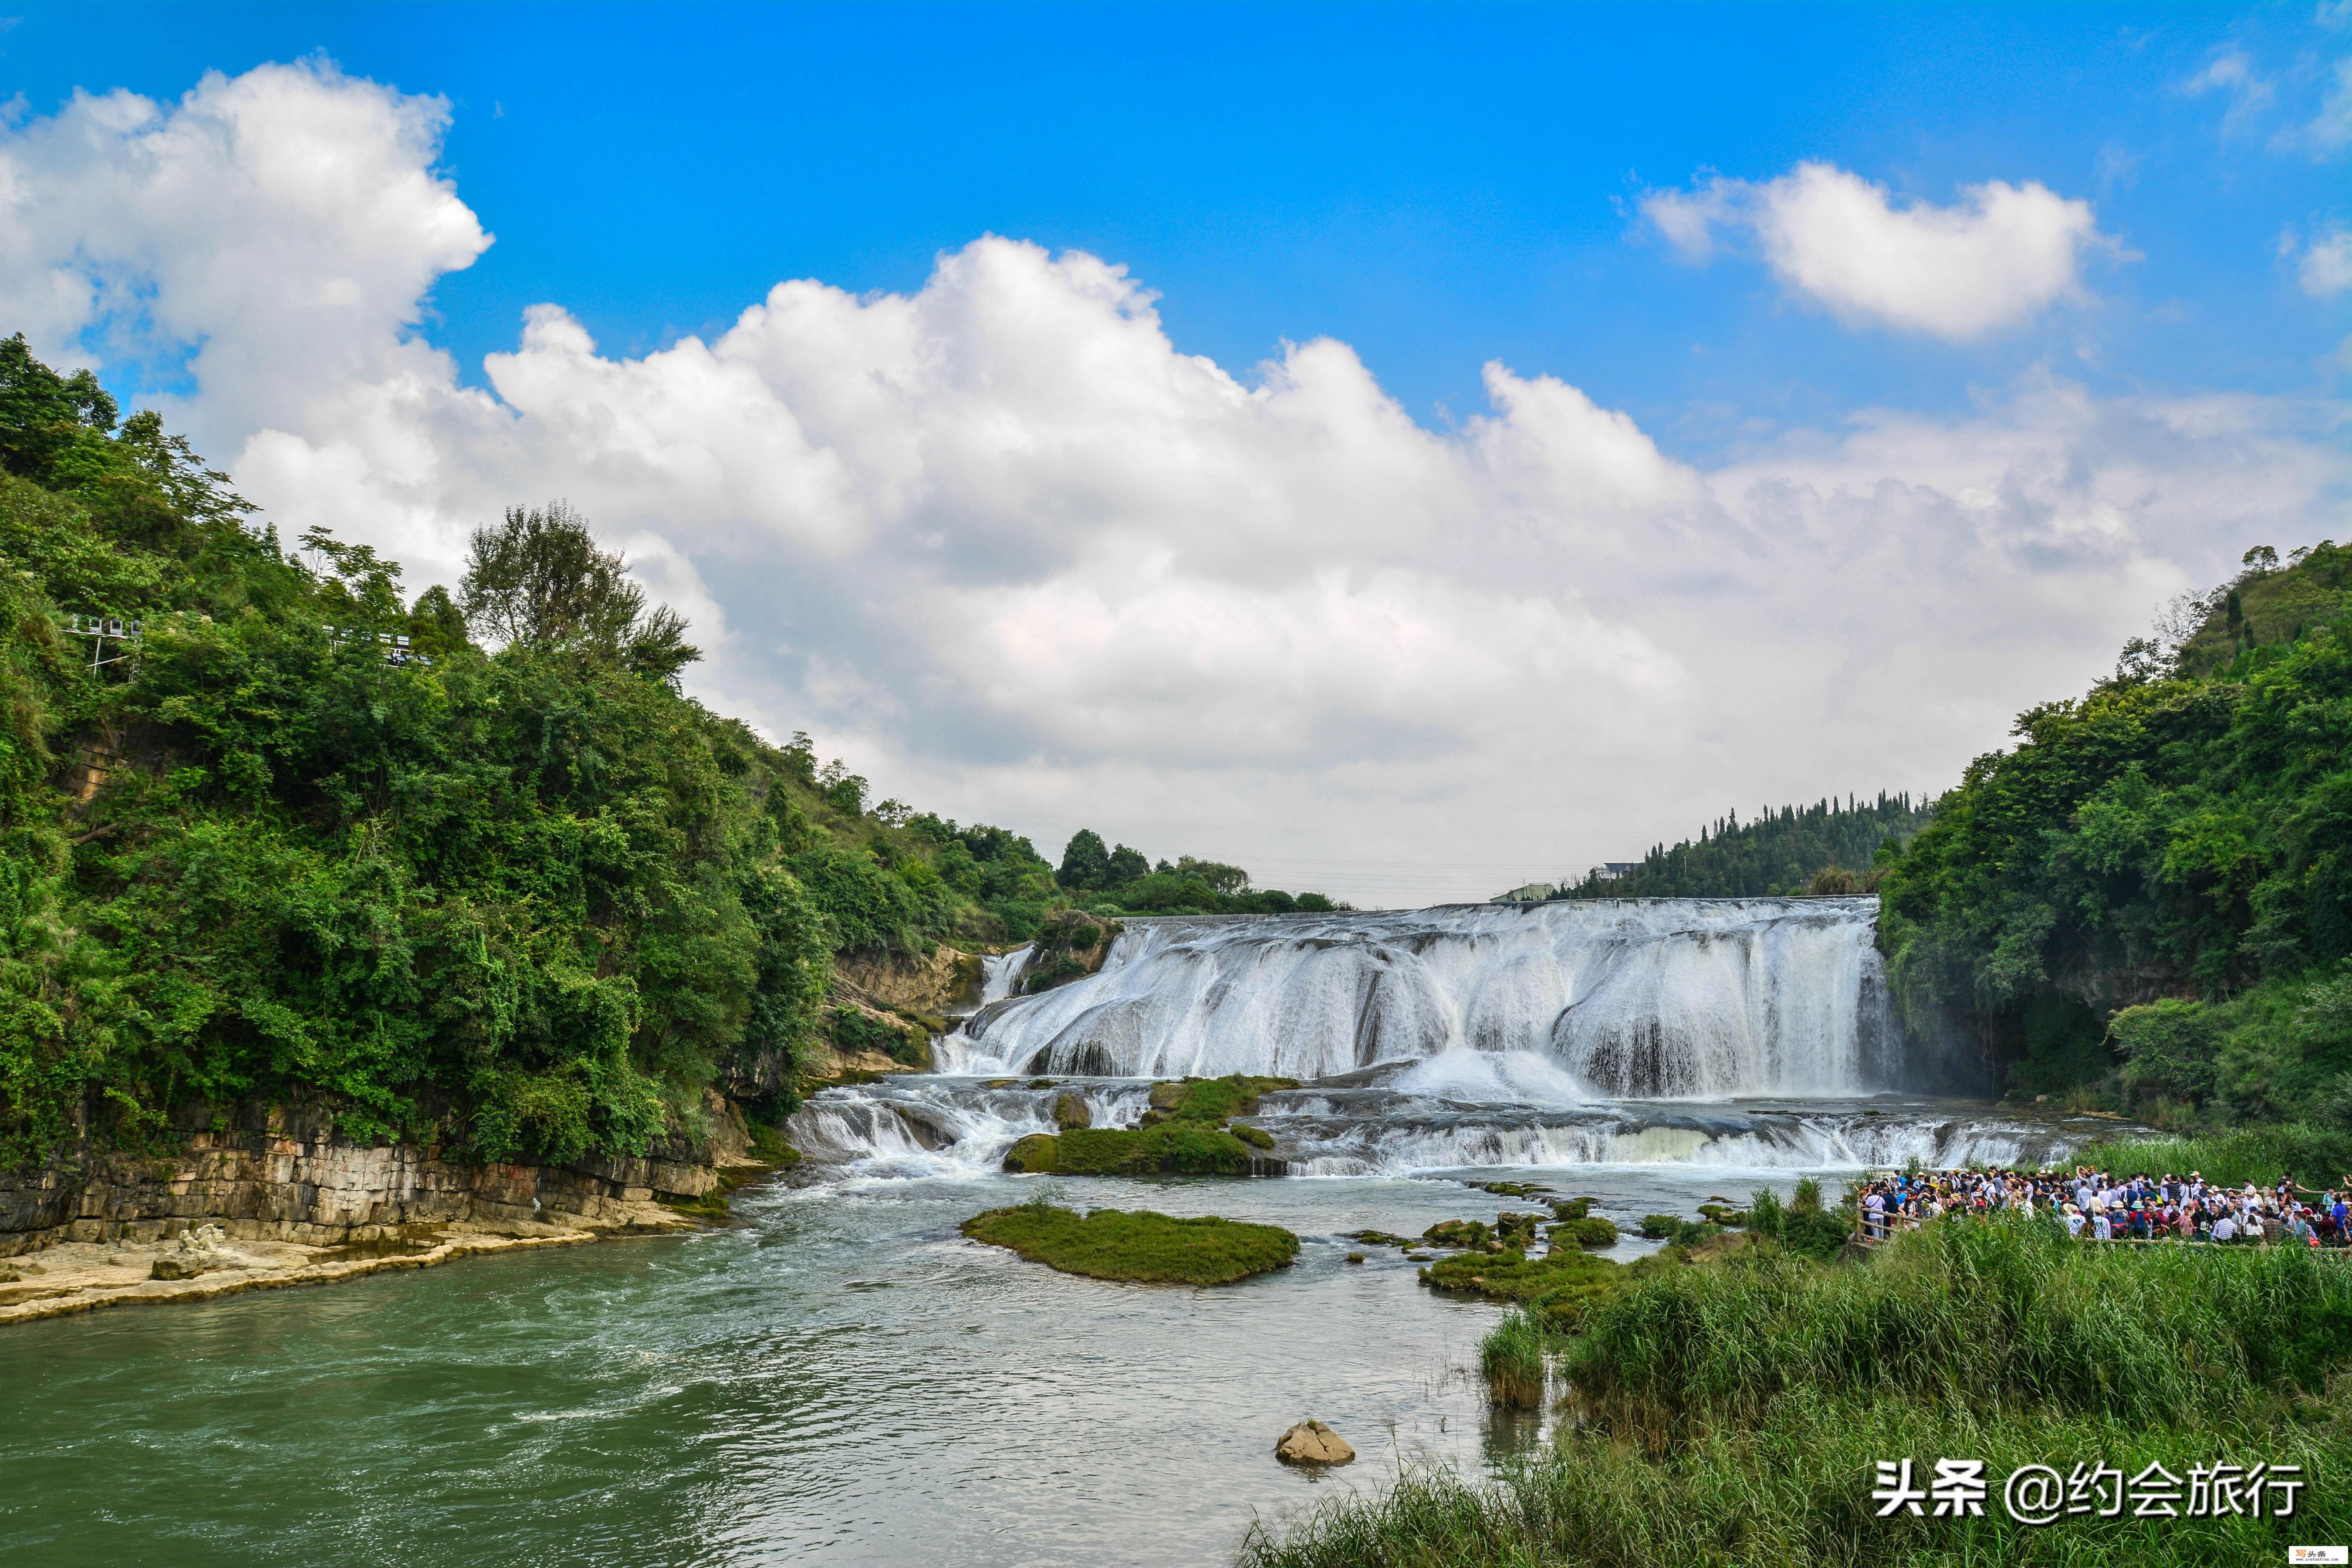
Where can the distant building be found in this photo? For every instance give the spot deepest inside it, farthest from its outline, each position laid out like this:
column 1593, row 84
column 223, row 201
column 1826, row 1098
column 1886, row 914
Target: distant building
column 1615, row 870
column 1533, row 894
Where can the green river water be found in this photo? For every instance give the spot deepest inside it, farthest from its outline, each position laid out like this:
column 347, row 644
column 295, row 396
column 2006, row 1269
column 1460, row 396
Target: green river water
column 837, row 1378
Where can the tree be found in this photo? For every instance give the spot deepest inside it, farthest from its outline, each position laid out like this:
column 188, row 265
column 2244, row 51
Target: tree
column 1224, row 878
column 1126, row 866
column 1085, row 863
column 539, row 579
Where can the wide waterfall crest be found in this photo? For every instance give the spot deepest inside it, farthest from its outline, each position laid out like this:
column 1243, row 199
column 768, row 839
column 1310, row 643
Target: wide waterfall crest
column 1651, row 998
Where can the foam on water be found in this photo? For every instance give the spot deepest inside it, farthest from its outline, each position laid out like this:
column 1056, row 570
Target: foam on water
column 1748, row 1034
column 911, row 1125
column 1656, row 998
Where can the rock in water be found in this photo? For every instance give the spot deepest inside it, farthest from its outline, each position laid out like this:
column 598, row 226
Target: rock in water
column 1070, row 1113
column 1035, row 1154
column 1312, row 1443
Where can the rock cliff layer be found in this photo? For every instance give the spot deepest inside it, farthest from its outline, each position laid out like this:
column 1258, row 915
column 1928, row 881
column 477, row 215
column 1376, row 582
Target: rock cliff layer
column 281, row 1173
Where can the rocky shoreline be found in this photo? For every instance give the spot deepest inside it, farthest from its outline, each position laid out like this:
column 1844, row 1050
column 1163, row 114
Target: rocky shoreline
column 81, row 1277
column 270, row 1197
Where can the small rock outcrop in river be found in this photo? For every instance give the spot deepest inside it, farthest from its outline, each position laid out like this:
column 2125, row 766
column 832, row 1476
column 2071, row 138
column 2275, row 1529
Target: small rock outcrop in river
column 1312, row 1443
column 1110, row 1244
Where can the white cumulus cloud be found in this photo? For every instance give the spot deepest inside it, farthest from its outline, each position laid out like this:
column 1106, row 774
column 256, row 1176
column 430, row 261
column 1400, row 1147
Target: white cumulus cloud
column 2324, row 266
column 1005, row 545
column 1996, row 257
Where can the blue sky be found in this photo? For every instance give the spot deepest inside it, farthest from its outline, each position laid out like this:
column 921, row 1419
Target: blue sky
column 1867, row 373
column 1436, row 185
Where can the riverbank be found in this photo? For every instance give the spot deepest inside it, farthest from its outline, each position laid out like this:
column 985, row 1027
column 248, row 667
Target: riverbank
column 82, row 1277
column 1750, row 1410
column 837, row 1375
column 270, row 1197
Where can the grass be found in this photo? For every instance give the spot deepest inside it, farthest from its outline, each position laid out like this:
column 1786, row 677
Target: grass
column 1511, row 1360
column 1181, row 1134
column 1213, row 1099
column 1112, row 1244
column 2317, row 1159
column 1559, row 1277
column 1732, row 1412
column 1794, row 1490
column 1173, row 1148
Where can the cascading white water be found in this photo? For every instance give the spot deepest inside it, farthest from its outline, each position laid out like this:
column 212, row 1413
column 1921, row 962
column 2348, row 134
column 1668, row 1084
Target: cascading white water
column 1628, row 998
column 923, row 1126
column 1736, row 1035
column 957, row 1051
column 1001, row 973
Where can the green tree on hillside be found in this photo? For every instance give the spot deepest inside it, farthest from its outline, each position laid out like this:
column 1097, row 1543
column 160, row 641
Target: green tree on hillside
column 2154, row 889
column 1788, row 849
column 1086, row 862
column 539, row 578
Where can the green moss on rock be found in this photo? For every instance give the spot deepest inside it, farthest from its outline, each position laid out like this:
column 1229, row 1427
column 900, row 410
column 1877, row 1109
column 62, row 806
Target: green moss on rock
column 1174, row 1148
column 1113, row 1244
column 1170, row 1148
column 1590, row 1231
column 1037, row 1154
column 1470, row 1233
column 1213, row 1099
column 1560, row 1284
column 768, row 1146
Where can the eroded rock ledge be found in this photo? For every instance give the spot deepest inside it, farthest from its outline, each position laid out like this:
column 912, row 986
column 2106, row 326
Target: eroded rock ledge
column 294, row 1205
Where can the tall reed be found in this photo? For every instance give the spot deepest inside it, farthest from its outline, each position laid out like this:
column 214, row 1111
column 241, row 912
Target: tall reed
column 1734, row 1413
column 1511, row 1360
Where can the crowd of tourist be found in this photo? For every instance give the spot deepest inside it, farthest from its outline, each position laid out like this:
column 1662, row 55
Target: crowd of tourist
column 2099, row 1205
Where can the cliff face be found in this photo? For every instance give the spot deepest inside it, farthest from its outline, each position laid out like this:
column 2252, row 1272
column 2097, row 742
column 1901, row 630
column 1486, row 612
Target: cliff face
column 279, row 1173
column 947, row 980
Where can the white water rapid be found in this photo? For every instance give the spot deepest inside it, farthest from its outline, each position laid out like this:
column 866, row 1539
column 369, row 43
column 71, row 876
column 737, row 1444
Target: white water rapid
column 1738, row 1033
column 1625, row 998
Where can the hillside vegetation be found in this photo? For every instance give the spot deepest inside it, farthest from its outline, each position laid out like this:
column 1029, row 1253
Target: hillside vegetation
column 501, row 886
column 1118, row 880
column 1824, row 847
column 2147, row 902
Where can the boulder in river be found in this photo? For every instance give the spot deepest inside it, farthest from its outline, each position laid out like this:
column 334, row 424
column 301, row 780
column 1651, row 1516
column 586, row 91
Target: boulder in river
column 1037, row 1154
column 1312, row 1443
column 1070, row 1112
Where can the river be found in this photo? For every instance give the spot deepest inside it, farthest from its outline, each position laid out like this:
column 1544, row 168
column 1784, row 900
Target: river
column 837, row 1376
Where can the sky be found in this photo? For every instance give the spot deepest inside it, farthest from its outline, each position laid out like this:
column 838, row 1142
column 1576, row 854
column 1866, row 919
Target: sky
column 1405, row 450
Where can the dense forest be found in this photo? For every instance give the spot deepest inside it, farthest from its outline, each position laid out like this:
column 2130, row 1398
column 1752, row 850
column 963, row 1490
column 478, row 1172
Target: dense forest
column 469, row 868
column 2147, row 902
column 1825, row 847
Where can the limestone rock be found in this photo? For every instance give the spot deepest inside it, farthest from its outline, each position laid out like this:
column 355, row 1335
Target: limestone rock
column 1312, row 1443
column 1070, row 1112
column 183, row 1265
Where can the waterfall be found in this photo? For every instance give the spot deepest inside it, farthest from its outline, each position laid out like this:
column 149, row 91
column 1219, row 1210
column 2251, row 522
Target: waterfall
column 1000, row 974
column 1653, row 999
column 957, row 1051
column 1722, row 1034
column 931, row 1127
